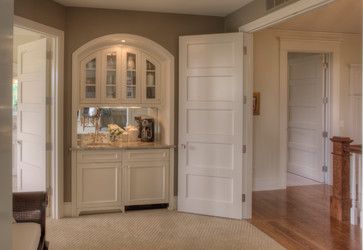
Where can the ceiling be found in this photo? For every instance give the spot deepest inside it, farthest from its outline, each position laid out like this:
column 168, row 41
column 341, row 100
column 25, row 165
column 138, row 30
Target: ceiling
column 341, row 16
column 195, row 7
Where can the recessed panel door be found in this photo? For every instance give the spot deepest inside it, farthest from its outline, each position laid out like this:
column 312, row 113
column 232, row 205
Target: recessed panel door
column 211, row 124
column 31, row 131
column 306, row 115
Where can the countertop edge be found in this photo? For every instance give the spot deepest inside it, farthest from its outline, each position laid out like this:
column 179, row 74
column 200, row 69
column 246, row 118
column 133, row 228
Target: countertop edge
column 114, row 147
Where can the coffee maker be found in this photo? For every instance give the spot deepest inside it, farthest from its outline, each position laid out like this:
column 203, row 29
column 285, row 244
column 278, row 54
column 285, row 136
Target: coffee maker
column 146, row 128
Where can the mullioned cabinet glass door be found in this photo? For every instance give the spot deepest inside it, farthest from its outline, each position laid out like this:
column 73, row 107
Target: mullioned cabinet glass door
column 111, row 76
column 150, row 80
column 90, row 79
column 130, row 76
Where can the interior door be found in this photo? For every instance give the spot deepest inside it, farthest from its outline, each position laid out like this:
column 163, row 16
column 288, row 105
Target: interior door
column 31, row 117
column 211, row 124
column 306, row 115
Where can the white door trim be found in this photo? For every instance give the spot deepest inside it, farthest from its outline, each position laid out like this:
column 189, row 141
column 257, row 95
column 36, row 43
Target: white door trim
column 56, row 176
column 317, row 45
column 282, row 14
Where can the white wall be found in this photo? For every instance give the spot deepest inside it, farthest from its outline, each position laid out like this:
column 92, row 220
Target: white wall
column 266, row 81
column 6, row 30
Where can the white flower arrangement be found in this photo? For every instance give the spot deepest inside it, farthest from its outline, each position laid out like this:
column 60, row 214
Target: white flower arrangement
column 114, row 131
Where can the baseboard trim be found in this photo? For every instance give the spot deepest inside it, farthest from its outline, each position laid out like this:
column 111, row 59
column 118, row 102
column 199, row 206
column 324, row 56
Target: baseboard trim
column 267, row 185
column 67, row 209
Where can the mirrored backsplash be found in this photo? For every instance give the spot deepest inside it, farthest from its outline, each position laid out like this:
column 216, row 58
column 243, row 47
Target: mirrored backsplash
column 92, row 120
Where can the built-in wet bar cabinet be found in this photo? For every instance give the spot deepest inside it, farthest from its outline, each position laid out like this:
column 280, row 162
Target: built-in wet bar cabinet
column 122, row 127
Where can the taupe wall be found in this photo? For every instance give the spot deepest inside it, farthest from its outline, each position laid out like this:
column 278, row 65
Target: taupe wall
column 42, row 11
column 83, row 25
column 6, row 54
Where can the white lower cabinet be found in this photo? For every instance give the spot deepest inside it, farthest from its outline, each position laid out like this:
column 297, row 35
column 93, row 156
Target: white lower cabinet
column 146, row 182
column 113, row 179
column 99, row 186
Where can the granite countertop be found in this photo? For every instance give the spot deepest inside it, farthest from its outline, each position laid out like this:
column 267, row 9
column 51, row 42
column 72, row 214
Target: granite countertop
column 123, row 145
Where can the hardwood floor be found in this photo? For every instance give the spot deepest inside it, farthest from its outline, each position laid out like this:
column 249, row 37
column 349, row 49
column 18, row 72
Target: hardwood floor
column 298, row 218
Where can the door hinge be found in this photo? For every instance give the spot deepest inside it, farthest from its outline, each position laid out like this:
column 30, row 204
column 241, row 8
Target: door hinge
column 244, row 99
column 325, row 169
column 244, row 149
column 245, row 50
column 243, row 198
column 48, row 100
column 48, row 146
column 49, row 55
column 325, row 100
column 325, row 134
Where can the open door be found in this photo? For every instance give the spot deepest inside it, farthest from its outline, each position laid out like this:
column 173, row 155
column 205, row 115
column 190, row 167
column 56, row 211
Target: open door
column 211, row 124
column 31, row 117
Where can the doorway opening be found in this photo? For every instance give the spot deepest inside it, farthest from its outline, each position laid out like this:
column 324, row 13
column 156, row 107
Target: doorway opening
column 308, row 118
column 31, row 114
column 38, row 111
column 29, row 169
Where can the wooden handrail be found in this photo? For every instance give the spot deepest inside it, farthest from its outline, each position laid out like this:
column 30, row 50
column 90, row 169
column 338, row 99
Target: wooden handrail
column 357, row 149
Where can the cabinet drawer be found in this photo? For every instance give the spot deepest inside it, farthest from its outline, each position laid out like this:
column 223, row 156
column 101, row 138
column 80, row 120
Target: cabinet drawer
column 146, row 155
column 99, row 156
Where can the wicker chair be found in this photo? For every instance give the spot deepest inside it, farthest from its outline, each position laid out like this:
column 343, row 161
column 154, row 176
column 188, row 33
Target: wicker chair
column 31, row 207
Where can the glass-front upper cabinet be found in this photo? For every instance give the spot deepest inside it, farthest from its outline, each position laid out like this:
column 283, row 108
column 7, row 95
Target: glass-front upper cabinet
column 111, row 75
column 90, row 79
column 150, row 81
column 120, row 75
column 131, row 76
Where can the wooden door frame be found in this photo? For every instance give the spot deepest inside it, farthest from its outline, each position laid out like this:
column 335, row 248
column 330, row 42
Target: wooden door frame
column 303, row 45
column 57, row 61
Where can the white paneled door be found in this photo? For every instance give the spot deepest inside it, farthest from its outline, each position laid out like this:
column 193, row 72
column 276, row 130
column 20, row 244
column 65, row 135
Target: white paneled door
column 211, row 124
column 306, row 120
column 31, row 117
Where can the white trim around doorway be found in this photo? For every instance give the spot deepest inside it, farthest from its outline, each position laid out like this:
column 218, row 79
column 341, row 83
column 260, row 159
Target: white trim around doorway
column 312, row 45
column 56, row 175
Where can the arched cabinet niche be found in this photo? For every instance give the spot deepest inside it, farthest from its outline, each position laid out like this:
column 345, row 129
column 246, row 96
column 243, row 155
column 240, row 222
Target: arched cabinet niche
column 125, row 74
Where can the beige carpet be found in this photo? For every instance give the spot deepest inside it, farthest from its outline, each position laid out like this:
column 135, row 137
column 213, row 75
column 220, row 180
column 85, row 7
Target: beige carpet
column 155, row 229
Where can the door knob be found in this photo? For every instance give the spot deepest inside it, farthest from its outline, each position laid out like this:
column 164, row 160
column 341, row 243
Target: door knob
column 19, row 142
column 183, row 146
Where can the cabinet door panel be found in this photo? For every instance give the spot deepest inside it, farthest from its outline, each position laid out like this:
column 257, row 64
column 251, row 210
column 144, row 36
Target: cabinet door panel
column 146, row 183
column 151, row 80
column 98, row 185
column 131, row 72
column 90, row 79
column 111, row 75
